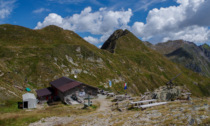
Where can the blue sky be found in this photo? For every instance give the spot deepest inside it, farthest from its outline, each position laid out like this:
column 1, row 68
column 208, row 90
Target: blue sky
column 95, row 20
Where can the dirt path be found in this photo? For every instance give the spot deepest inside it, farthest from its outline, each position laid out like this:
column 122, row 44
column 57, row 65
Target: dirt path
column 104, row 103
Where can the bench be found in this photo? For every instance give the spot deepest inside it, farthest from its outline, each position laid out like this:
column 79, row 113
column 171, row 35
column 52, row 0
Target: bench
column 145, row 101
column 151, row 105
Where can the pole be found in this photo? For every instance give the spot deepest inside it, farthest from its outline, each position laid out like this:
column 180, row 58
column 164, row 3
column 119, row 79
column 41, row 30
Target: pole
column 88, row 100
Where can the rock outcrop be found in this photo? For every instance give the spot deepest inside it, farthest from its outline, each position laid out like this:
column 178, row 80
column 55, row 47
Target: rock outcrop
column 169, row 94
column 111, row 42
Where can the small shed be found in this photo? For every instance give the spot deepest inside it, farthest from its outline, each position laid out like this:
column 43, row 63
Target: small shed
column 29, row 100
column 44, row 94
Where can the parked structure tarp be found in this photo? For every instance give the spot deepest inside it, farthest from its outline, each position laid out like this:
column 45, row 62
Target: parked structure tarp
column 28, row 89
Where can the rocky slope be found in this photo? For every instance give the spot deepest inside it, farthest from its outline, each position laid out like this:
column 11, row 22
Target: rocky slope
column 33, row 58
column 196, row 58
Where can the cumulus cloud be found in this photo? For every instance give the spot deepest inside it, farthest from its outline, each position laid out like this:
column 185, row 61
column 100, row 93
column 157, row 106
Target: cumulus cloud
column 92, row 40
column 40, row 10
column 102, row 22
column 6, row 7
column 97, row 41
column 188, row 21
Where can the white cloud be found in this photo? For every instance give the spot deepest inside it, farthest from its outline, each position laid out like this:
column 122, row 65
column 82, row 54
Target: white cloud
column 137, row 5
column 51, row 19
column 91, row 40
column 102, row 22
column 188, row 21
column 97, row 41
column 145, row 4
column 99, row 46
column 192, row 33
column 6, row 7
column 40, row 10
column 95, row 2
column 67, row 1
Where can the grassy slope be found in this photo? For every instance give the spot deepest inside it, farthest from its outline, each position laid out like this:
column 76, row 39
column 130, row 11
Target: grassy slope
column 33, row 58
column 153, row 68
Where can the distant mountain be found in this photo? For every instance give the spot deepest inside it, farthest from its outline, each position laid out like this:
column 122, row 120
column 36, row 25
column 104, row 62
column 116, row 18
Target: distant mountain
column 33, row 58
column 206, row 50
column 196, row 58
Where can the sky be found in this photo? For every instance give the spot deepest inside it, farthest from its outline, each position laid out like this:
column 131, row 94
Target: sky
column 95, row 20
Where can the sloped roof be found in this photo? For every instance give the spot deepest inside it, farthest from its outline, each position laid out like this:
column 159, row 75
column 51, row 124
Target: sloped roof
column 43, row 92
column 61, row 81
column 68, row 86
column 64, row 83
column 28, row 96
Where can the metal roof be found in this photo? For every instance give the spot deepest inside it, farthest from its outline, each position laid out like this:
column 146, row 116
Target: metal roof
column 28, row 96
column 64, row 83
column 68, row 86
column 43, row 92
column 61, row 81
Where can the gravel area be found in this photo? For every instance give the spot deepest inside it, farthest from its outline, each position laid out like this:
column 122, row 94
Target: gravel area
column 174, row 113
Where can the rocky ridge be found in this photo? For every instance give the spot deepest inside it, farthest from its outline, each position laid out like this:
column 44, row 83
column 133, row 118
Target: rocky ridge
column 193, row 57
column 110, row 43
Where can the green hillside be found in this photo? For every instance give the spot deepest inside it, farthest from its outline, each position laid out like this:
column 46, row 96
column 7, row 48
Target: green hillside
column 33, row 58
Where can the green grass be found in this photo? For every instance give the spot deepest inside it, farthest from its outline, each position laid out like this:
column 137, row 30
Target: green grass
column 32, row 84
column 9, row 106
column 94, row 107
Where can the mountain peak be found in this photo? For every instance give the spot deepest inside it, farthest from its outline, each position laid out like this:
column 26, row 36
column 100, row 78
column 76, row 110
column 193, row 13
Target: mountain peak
column 52, row 28
column 110, row 43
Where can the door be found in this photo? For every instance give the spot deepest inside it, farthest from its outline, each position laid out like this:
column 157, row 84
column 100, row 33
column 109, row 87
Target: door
column 25, row 104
